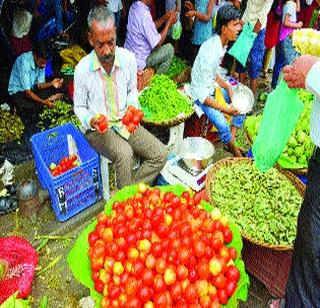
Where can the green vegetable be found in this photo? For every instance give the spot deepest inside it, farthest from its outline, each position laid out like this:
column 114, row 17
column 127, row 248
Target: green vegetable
column 264, row 205
column 177, row 67
column 11, row 127
column 60, row 114
column 161, row 101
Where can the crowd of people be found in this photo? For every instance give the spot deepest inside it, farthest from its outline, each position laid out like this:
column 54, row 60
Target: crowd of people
column 105, row 82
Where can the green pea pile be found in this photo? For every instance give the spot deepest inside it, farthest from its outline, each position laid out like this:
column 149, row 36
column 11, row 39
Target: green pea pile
column 161, row 101
column 60, row 114
column 11, row 127
column 177, row 67
column 264, row 205
column 299, row 148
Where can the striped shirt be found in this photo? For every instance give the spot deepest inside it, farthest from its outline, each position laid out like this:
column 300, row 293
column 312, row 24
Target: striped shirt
column 96, row 91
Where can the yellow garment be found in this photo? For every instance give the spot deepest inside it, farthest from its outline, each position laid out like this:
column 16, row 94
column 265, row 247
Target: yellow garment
column 219, row 98
column 71, row 56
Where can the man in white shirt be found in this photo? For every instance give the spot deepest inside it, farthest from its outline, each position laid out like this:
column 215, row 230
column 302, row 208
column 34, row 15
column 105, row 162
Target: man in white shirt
column 256, row 13
column 205, row 76
column 105, row 83
column 303, row 286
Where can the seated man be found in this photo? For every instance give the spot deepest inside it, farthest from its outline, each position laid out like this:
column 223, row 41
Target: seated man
column 143, row 39
column 105, row 82
column 27, row 86
column 204, row 77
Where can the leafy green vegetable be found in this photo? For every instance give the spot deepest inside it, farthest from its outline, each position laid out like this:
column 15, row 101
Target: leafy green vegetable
column 161, row 101
column 177, row 67
column 11, row 127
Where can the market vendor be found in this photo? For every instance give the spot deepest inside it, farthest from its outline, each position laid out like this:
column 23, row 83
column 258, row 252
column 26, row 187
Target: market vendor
column 205, row 77
column 105, row 83
column 144, row 40
column 28, row 88
column 303, row 286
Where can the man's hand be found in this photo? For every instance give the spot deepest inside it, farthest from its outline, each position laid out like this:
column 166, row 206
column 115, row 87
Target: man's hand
column 296, row 74
column 191, row 13
column 57, row 82
column 100, row 123
column 299, row 25
column 232, row 111
column 55, row 97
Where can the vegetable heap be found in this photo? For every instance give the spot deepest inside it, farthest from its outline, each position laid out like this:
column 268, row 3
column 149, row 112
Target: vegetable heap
column 60, row 114
column 264, row 205
column 177, row 67
column 11, row 127
column 160, row 250
column 307, row 41
column 299, row 147
column 161, row 101
column 65, row 164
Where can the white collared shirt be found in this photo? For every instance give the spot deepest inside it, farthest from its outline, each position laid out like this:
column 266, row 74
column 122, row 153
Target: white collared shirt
column 91, row 90
column 257, row 10
column 206, row 68
column 313, row 85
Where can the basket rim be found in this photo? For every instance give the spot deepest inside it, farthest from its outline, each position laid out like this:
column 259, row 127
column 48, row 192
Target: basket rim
column 298, row 184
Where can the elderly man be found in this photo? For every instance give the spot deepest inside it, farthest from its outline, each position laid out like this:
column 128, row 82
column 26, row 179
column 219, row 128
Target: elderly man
column 105, row 83
column 144, row 40
column 256, row 13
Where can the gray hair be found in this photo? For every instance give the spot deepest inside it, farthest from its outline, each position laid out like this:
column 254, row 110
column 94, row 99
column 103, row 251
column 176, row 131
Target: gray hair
column 101, row 14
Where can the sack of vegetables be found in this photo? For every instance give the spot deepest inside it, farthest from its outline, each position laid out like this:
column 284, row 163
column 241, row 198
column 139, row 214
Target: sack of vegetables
column 160, row 247
column 265, row 205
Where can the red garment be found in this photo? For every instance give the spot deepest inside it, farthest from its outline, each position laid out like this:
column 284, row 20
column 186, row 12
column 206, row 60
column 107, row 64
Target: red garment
column 272, row 29
column 305, row 14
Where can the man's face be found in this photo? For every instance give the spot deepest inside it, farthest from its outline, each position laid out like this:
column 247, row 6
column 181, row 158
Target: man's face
column 40, row 62
column 232, row 29
column 102, row 38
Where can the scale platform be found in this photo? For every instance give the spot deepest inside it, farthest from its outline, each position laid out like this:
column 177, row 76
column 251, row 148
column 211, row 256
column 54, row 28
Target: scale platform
column 176, row 172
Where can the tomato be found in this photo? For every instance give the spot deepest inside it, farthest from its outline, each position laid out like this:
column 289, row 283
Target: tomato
column 156, row 249
column 184, row 255
column 186, row 241
column 121, row 256
column 193, row 275
column 138, row 268
column 203, row 270
column 170, row 276
column 144, row 294
column 186, row 195
column 222, row 296
column 126, row 119
column 114, row 291
column 220, row 281
column 105, row 303
column 140, row 114
column 197, row 198
column 98, row 285
column 150, row 262
column 133, row 302
column 175, row 201
column 131, row 127
column 199, row 248
column 227, row 235
column 161, row 265
column 148, row 277
column 224, row 253
column 95, row 275
column 92, row 238
column 182, row 272
column 160, row 301
column 168, row 196
column 131, row 240
column 233, row 253
column 136, row 120
column 177, row 215
column 102, row 126
column 107, row 235
column 113, row 249
column 230, row 287
column 159, row 285
column 176, row 291
column 191, row 294
column 131, row 286
column 233, row 273
column 162, row 230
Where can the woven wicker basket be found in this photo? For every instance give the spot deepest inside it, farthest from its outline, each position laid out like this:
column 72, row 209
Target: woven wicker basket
column 144, row 78
column 302, row 171
column 232, row 160
column 184, row 76
column 168, row 123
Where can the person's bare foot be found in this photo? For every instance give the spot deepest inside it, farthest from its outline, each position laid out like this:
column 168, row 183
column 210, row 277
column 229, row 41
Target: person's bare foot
column 276, row 303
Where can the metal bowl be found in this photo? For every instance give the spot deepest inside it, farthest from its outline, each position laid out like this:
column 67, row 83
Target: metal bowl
column 243, row 99
column 196, row 152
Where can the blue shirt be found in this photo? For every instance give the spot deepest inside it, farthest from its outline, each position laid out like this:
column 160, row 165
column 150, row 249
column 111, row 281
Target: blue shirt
column 25, row 74
column 202, row 30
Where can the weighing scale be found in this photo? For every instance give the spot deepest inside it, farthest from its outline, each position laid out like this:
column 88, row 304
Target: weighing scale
column 175, row 171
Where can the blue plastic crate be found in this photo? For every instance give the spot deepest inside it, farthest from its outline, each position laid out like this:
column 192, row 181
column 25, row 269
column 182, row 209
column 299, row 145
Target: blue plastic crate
column 75, row 189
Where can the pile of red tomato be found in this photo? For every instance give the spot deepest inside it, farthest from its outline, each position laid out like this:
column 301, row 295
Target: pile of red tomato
column 132, row 118
column 65, row 164
column 160, row 250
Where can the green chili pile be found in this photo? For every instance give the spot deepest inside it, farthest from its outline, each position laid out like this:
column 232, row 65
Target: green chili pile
column 177, row 67
column 264, row 205
column 60, row 114
column 161, row 101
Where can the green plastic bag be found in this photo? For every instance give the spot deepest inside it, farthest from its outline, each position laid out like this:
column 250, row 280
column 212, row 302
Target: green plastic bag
column 280, row 116
column 176, row 30
column 242, row 46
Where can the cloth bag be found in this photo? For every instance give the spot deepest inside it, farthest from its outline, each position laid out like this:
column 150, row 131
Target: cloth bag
column 280, row 116
column 242, row 46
